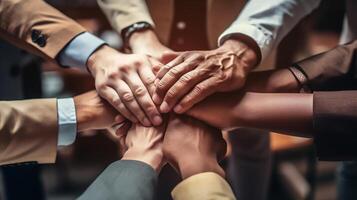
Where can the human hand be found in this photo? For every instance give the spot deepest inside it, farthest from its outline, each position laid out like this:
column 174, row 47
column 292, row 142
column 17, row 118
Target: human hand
column 192, row 147
column 194, row 75
column 147, row 43
column 126, row 82
column 92, row 112
column 145, row 144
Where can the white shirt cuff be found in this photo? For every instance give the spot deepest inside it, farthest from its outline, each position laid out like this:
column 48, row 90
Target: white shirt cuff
column 259, row 35
column 77, row 52
column 67, row 121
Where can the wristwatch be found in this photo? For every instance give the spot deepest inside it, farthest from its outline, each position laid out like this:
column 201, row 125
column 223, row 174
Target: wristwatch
column 128, row 31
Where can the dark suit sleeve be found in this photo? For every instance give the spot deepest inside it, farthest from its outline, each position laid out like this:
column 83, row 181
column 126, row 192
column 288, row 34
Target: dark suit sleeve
column 332, row 70
column 335, row 125
column 334, row 113
column 123, row 180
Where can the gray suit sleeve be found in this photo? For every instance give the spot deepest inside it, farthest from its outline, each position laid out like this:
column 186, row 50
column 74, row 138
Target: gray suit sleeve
column 123, row 180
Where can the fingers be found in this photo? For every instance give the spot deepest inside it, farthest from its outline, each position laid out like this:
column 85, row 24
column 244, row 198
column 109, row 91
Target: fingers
column 155, row 65
column 129, row 101
column 113, row 98
column 168, row 66
column 173, row 75
column 143, row 98
column 181, row 88
column 148, row 78
column 197, row 94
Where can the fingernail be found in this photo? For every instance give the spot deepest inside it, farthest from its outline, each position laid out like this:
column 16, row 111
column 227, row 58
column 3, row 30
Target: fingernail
column 156, row 99
column 164, row 107
column 178, row 109
column 157, row 120
column 146, row 122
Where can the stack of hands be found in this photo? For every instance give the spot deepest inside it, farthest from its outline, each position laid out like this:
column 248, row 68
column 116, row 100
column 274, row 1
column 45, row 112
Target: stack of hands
column 155, row 80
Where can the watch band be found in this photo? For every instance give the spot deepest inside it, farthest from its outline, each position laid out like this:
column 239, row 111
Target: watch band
column 128, row 31
column 301, row 77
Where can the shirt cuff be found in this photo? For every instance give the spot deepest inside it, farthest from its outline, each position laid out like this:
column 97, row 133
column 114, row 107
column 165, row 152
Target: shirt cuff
column 259, row 35
column 207, row 185
column 77, row 52
column 67, row 121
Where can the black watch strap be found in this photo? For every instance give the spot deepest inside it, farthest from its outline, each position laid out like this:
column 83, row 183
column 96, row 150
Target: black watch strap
column 301, row 77
column 128, row 31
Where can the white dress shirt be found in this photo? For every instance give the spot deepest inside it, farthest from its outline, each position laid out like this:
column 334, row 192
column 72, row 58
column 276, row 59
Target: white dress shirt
column 268, row 22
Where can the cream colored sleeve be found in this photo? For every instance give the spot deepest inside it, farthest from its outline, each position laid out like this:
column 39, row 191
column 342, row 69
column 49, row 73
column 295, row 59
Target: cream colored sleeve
column 123, row 13
column 206, row 185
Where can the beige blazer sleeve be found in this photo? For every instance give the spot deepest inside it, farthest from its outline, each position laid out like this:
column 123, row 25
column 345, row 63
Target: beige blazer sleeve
column 28, row 131
column 23, row 21
column 206, row 185
column 123, row 13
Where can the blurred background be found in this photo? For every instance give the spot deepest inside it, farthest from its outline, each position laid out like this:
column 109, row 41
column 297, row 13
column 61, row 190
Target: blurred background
column 296, row 173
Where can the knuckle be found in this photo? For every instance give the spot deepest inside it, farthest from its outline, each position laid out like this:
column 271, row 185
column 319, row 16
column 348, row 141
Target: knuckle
column 171, row 94
column 198, row 89
column 128, row 97
column 185, row 78
column 173, row 72
column 117, row 103
column 161, row 85
column 100, row 86
column 139, row 91
column 124, row 69
column 150, row 109
column 149, row 80
column 113, row 75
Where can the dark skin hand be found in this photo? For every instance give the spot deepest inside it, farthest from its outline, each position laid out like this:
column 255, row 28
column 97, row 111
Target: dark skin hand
column 283, row 112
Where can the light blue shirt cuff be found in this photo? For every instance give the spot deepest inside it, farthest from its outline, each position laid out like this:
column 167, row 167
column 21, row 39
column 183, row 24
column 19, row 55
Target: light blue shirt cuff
column 77, row 52
column 67, row 121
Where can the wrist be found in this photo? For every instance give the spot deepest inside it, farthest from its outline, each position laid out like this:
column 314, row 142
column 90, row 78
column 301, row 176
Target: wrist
column 141, row 39
column 189, row 166
column 152, row 157
column 249, row 49
column 84, row 114
column 103, row 52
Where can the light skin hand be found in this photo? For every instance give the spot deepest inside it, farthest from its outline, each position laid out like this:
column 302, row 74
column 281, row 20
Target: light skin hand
column 146, row 42
column 192, row 147
column 125, row 81
column 93, row 112
column 145, row 144
column 194, row 75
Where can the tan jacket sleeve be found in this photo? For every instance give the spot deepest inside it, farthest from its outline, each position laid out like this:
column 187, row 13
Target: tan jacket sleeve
column 28, row 131
column 123, row 13
column 23, row 22
column 206, row 185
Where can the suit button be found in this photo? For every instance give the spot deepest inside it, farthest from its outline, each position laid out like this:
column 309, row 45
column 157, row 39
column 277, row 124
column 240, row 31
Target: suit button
column 38, row 38
column 41, row 40
column 34, row 35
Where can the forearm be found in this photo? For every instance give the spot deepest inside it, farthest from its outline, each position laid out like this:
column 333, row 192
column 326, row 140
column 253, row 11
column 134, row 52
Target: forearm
column 272, row 81
column 282, row 112
column 20, row 138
